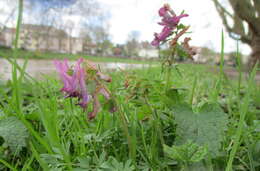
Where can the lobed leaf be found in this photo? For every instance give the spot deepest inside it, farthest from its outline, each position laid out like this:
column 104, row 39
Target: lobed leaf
column 205, row 128
column 14, row 133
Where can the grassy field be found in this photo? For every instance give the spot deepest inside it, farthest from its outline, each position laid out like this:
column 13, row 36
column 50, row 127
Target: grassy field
column 8, row 53
column 179, row 117
column 202, row 121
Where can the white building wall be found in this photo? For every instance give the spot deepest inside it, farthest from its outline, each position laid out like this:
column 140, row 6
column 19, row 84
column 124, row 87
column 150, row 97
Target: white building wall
column 149, row 53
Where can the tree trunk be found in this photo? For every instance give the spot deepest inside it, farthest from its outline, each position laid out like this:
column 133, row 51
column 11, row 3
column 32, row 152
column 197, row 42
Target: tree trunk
column 255, row 55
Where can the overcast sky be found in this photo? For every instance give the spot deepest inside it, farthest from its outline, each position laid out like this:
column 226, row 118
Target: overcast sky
column 142, row 16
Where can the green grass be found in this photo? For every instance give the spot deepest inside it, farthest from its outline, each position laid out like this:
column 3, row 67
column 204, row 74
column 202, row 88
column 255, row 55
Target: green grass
column 59, row 136
column 8, row 53
column 186, row 119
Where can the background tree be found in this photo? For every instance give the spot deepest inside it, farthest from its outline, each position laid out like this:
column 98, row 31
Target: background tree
column 132, row 43
column 101, row 39
column 7, row 13
column 243, row 23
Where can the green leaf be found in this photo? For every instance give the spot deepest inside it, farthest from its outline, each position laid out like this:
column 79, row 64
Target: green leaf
column 255, row 151
column 113, row 165
column 52, row 159
column 1, row 113
column 181, row 26
column 14, row 133
column 84, row 162
column 181, row 52
column 110, row 105
column 257, row 125
column 204, row 128
column 187, row 153
column 174, row 96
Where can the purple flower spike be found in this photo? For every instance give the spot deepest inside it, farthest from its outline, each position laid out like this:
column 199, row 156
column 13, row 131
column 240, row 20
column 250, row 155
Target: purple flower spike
column 161, row 36
column 172, row 21
column 73, row 80
column 155, row 42
column 63, row 69
column 163, row 11
column 169, row 21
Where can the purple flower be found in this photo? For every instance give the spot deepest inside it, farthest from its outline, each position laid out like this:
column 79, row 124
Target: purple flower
column 161, row 36
column 73, row 80
column 75, row 84
column 172, row 22
column 163, row 11
column 169, row 21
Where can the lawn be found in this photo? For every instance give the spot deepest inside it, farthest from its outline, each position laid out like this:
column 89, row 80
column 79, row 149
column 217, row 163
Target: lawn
column 193, row 121
column 182, row 117
column 8, row 53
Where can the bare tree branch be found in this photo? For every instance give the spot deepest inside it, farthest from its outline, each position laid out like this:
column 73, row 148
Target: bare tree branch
column 246, row 11
column 7, row 20
column 257, row 6
column 238, row 27
column 217, row 4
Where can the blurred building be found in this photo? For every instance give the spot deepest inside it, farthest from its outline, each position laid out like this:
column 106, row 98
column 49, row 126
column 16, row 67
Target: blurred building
column 42, row 38
column 209, row 56
column 146, row 50
column 7, row 36
column 148, row 53
column 89, row 48
column 204, row 55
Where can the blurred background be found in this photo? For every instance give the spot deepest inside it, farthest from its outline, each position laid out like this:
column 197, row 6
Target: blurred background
column 124, row 29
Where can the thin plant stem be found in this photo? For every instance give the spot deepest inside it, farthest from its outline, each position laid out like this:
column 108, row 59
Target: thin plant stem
column 193, row 90
column 126, row 131
column 168, row 76
column 221, row 71
column 16, row 86
column 222, row 56
column 239, row 68
column 18, row 24
column 170, row 61
column 157, row 119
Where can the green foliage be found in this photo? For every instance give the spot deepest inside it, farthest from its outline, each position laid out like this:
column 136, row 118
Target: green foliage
column 103, row 164
column 54, row 160
column 14, row 133
column 181, row 53
column 207, row 127
column 186, row 153
column 113, row 165
column 148, row 116
column 151, row 112
column 181, row 26
column 255, row 151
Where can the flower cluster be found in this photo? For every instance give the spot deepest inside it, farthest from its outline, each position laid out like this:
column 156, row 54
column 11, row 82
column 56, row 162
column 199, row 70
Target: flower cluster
column 169, row 22
column 76, row 79
column 73, row 80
